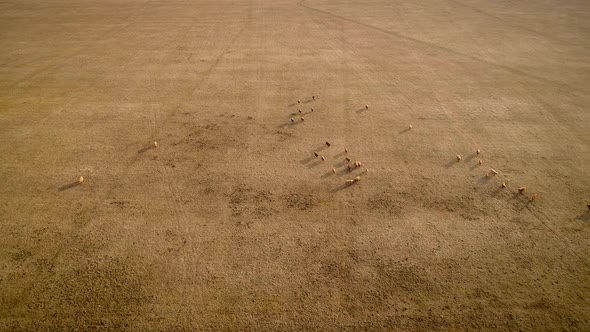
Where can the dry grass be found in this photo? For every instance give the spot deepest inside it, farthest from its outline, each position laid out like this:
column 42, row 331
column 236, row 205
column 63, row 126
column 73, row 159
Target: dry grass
column 232, row 223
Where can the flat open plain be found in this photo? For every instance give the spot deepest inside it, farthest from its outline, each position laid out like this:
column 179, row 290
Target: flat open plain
column 231, row 223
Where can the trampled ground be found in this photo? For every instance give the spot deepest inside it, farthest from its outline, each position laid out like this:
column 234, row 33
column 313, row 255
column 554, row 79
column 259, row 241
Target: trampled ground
column 231, row 223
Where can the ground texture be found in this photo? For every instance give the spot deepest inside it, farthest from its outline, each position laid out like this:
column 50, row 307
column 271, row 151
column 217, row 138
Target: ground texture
column 231, row 223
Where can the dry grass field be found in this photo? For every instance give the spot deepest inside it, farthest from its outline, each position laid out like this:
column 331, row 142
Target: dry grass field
column 231, row 223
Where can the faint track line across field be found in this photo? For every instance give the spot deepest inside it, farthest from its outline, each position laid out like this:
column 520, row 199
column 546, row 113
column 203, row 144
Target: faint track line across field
column 566, row 88
column 513, row 25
